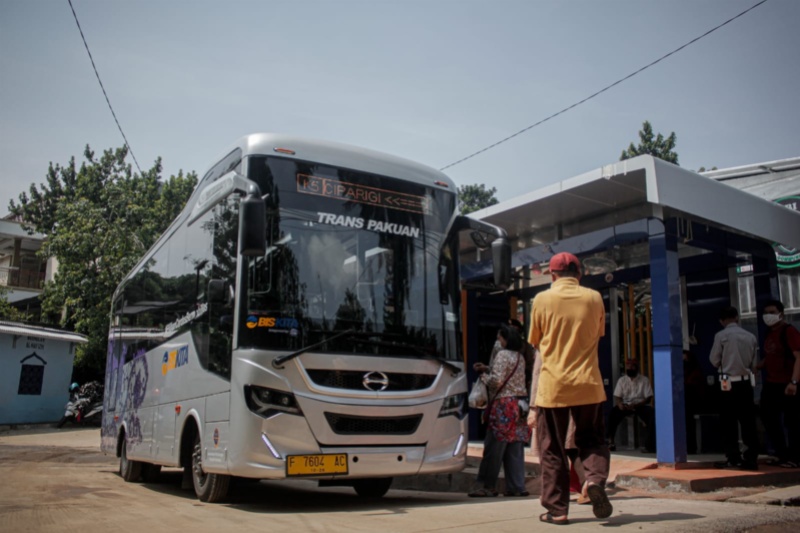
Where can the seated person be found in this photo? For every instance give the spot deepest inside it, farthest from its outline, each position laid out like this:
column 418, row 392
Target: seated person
column 632, row 396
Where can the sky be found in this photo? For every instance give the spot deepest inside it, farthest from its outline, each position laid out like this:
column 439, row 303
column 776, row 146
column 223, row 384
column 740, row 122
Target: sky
column 428, row 80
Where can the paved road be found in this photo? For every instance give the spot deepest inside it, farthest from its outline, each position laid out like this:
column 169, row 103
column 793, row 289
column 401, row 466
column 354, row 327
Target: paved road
column 59, row 481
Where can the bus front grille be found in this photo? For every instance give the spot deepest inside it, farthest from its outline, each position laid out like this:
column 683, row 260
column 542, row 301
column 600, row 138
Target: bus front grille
column 362, row 425
column 354, row 380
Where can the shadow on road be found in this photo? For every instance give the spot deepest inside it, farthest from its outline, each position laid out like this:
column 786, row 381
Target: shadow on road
column 625, row 519
column 304, row 496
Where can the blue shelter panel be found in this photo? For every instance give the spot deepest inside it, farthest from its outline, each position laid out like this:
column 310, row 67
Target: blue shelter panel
column 667, row 346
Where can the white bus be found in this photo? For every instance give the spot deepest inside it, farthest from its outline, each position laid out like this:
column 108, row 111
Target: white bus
column 299, row 319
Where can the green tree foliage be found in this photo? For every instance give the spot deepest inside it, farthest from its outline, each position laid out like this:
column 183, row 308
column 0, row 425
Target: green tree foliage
column 656, row 146
column 475, row 197
column 99, row 220
column 8, row 311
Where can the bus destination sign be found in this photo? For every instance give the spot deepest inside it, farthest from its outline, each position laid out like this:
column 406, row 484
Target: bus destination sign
column 331, row 188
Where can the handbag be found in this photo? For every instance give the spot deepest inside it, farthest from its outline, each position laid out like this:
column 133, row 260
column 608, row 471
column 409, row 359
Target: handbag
column 524, row 408
column 478, row 395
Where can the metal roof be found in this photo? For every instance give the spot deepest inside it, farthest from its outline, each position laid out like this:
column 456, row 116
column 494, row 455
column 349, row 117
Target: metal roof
column 18, row 328
column 631, row 190
column 770, row 180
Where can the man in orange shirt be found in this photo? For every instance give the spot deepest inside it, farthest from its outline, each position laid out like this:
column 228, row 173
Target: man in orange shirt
column 567, row 322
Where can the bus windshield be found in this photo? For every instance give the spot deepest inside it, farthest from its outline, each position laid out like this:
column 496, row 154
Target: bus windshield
column 347, row 251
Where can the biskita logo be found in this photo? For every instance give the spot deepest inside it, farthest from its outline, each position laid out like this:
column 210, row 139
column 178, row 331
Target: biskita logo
column 174, row 359
column 271, row 322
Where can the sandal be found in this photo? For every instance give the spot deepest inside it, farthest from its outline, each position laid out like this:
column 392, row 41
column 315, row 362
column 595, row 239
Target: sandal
column 483, row 493
column 601, row 507
column 788, row 464
column 557, row 520
column 512, row 493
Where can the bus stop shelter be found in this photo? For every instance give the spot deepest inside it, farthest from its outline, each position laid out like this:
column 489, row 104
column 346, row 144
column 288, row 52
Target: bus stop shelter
column 675, row 236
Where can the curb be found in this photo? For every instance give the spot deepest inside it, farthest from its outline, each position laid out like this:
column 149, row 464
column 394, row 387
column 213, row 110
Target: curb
column 647, row 480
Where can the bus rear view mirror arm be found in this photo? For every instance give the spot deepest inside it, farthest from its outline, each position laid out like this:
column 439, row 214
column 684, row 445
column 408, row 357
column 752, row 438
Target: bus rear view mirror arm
column 501, row 248
column 220, row 189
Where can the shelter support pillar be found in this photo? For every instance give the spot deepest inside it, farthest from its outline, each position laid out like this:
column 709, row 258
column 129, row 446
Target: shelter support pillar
column 667, row 345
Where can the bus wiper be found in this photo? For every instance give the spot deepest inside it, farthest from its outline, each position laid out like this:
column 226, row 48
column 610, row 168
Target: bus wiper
column 278, row 361
column 402, row 345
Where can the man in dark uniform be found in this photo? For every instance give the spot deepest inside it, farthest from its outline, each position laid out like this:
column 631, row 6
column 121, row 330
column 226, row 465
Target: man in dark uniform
column 734, row 354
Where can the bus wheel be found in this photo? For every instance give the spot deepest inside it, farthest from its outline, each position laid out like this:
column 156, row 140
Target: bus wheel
column 150, row 472
column 373, row 487
column 210, row 488
column 128, row 470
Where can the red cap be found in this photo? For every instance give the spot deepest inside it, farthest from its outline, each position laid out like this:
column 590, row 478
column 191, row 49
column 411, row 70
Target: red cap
column 564, row 261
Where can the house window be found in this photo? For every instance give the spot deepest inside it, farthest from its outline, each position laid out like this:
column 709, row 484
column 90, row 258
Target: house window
column 30, row 380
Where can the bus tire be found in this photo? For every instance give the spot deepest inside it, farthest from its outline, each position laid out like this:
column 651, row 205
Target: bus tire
column 372, row 487
column 150, row 472
column 129, row 470
column 209, row 488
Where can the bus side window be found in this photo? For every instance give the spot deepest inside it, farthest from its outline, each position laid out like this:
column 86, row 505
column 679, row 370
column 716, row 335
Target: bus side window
column 219, row 319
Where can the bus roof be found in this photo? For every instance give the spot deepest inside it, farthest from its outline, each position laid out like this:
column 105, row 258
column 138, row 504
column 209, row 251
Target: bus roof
column 341, row 155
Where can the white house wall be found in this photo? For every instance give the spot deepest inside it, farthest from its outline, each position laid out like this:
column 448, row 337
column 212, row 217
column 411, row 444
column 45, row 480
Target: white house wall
column 28, row 408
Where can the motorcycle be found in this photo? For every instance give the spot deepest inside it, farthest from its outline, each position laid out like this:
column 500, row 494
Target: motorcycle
column 85, row 405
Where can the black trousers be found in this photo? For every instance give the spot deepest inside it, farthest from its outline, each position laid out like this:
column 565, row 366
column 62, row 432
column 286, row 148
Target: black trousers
column 781, row 416
column 738, row 410
column 645, row 413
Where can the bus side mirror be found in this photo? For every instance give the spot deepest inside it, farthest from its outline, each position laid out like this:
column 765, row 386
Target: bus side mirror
column 501, row 262
column 252, row 226
column 216, row 291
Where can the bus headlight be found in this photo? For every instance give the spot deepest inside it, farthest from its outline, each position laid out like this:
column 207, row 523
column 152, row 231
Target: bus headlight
column 267, row 402
column 454, row 405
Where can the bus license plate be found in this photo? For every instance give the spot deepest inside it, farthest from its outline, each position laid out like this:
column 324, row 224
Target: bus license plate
column 315, row 465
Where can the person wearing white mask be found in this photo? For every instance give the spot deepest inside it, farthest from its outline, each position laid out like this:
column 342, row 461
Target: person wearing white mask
column 780, row 402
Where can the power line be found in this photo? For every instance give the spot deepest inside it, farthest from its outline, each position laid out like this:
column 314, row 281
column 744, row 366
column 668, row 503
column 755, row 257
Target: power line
column 127, row 144
column 629, row 76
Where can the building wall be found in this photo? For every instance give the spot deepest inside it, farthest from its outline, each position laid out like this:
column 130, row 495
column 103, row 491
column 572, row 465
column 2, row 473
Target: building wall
column 776, row 181
column 50, row 366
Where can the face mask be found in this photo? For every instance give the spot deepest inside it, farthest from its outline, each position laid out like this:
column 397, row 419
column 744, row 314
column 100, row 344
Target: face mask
column 771, row 320
column 631, row 373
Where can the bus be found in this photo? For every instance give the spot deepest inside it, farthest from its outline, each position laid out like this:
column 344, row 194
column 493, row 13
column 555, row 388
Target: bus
column 300, row 318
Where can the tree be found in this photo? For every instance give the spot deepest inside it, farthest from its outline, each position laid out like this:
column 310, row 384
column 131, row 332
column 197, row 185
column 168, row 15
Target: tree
column 8, row 311
column 475, row 197
column 99, row 220
column 658, row 147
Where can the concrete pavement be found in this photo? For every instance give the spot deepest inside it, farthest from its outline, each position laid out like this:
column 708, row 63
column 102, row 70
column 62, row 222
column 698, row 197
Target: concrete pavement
column 638, row 474
column 59, row 481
